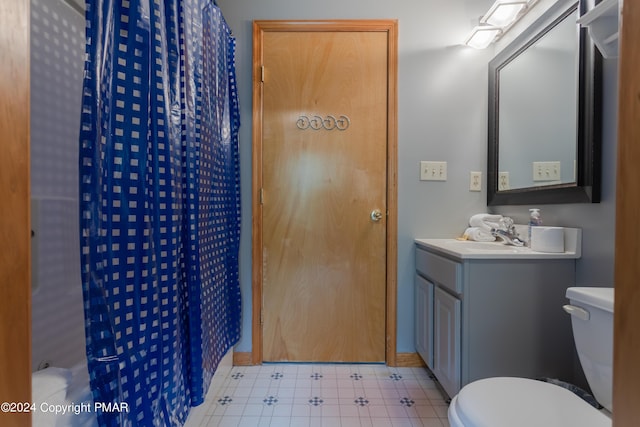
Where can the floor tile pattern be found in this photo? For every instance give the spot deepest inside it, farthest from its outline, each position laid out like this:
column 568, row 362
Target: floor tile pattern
column 322, row 395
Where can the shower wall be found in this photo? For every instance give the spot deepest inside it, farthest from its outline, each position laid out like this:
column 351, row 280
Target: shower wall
column 57, row 61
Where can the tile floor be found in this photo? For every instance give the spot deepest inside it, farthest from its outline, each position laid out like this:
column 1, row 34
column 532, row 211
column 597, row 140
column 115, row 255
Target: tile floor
column 321, row 395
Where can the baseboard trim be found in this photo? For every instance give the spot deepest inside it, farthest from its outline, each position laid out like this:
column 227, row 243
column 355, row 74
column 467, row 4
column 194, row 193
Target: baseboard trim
column 403, row 360
column 409, row 360
column 242, row 358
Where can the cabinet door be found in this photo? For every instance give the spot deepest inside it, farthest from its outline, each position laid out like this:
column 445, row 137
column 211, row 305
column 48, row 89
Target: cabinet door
column 447, row 341
column 424, row 320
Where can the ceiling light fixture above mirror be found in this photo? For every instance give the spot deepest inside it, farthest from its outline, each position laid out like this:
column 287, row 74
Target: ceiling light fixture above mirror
column 503, row 13
column 482, row 36
column 500, row 17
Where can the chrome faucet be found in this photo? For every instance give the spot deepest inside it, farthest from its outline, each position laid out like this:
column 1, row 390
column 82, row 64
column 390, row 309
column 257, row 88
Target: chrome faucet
column 507, row 232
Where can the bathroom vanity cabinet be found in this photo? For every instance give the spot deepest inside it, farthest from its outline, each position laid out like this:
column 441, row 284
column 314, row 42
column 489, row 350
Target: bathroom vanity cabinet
column 484, row 314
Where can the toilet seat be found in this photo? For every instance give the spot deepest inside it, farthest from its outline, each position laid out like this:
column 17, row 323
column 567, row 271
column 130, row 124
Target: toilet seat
column 508, row 402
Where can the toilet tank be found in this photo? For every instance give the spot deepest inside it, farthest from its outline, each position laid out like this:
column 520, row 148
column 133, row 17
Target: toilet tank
column 591, row 312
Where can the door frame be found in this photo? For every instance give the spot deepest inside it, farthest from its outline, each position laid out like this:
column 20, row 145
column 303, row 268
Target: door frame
column 389, row 26
column 15, row 214
column 626, row 311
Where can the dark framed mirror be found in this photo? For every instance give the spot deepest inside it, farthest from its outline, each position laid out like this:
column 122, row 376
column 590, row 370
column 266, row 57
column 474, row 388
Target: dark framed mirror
column 544, row 127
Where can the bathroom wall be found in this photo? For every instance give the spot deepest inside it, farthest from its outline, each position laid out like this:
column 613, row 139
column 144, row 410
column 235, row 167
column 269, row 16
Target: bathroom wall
column 57, row 61
column 442, row 113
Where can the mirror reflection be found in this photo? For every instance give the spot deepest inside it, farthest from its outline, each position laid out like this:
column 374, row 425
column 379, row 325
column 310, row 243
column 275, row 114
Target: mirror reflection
column 538, row 97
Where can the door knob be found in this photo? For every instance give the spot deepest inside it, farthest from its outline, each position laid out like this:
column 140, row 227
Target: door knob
column 376, row 215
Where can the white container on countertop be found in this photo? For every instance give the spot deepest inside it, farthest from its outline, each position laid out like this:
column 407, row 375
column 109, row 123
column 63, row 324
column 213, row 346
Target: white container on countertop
column 547, row 239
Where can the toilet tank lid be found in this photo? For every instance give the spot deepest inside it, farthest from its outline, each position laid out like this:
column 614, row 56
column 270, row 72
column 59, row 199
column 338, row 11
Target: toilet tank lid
column 601, row 298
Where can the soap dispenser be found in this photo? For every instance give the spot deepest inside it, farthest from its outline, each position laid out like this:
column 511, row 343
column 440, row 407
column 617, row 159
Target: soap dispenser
column 535, row 219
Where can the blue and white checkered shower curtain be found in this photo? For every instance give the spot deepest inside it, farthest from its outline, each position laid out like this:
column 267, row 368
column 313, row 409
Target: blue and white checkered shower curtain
column 160, row 205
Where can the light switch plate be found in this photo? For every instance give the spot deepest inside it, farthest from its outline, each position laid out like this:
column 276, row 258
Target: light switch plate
column 546, row 171
column 433, row 171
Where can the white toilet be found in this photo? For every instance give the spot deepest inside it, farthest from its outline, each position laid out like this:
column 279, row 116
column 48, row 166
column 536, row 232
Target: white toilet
column 509, row 402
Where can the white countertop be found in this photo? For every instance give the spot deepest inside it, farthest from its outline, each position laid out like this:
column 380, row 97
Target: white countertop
column 467, row 249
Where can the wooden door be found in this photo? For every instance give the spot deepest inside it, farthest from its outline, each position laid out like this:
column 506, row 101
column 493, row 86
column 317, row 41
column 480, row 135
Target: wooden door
column 323, row 194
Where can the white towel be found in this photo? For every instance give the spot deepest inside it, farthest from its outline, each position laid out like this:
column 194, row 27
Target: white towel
column 478, row 234
column 485, row 221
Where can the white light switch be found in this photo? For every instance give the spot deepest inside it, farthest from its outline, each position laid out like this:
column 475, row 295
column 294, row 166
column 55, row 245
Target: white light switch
column 546, row 171
column 433, row 171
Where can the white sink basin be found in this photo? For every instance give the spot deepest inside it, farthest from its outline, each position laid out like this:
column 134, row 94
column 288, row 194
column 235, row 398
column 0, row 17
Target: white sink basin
column 469, row 245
